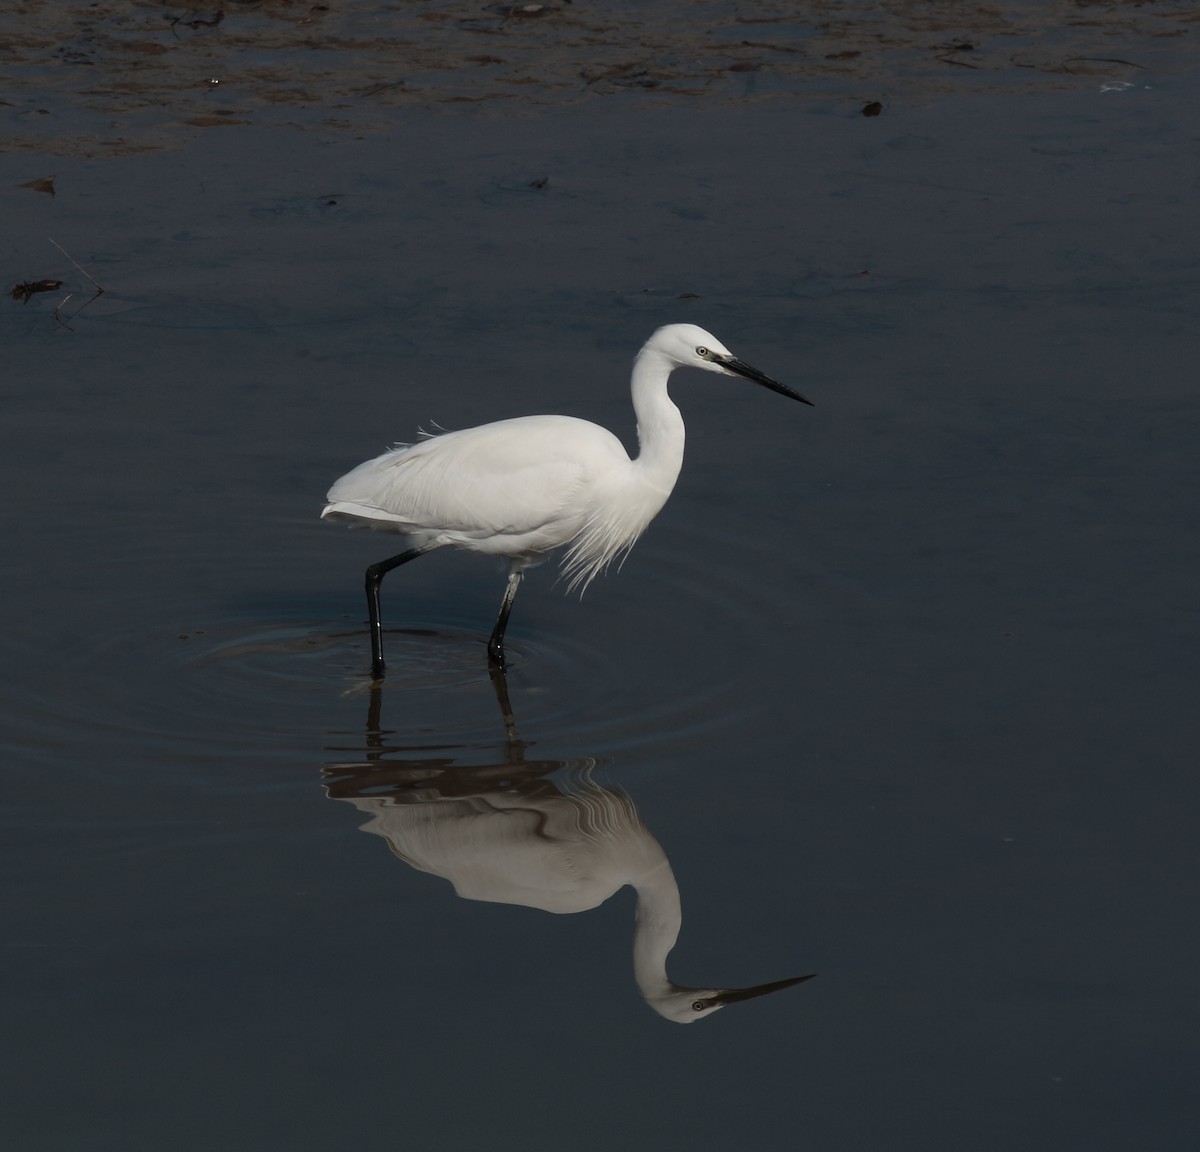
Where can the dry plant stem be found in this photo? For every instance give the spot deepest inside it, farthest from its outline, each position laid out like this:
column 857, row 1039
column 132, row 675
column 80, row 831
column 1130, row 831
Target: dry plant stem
column 91, row 279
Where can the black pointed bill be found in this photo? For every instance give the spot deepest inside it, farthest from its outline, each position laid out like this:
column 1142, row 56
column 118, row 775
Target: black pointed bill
column 734, row 995
column 744, row 369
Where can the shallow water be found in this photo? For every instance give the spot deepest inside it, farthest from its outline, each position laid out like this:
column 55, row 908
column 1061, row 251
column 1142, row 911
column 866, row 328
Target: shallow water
column 902, row 685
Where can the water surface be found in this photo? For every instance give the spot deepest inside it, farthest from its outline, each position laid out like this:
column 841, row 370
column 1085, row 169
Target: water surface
column 900, row 686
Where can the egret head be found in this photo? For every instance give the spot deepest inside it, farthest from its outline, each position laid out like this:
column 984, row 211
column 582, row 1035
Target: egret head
column 685, row 1005
column 689, row 346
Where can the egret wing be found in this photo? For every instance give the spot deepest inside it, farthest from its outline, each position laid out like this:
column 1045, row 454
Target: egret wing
column 502, row 479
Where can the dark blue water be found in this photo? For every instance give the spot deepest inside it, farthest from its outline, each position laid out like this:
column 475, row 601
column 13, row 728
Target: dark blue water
column 901, row 686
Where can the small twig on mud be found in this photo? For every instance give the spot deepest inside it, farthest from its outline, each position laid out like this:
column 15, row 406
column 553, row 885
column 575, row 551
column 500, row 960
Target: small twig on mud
column 946, row 58
column 1102, row 60
column 619, row 72
column 196, row 24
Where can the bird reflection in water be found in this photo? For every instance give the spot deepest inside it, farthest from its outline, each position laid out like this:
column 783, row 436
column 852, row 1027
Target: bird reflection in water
column 507, row 833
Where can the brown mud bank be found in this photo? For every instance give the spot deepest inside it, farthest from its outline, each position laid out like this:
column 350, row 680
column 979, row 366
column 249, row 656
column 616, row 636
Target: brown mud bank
column 112, row 78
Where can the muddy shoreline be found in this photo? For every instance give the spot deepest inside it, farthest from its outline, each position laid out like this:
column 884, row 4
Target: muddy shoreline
column 111, row 78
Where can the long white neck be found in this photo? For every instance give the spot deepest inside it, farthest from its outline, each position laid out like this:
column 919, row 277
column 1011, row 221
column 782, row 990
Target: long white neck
column 660, row 426
column 656, row 929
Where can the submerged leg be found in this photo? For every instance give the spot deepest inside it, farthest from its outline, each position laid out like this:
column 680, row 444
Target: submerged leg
column 516, row 747
column 375, row 575
column 496, row 643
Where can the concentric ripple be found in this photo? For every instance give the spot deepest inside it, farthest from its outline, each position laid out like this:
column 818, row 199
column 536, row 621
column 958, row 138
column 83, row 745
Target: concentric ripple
column 676, row 667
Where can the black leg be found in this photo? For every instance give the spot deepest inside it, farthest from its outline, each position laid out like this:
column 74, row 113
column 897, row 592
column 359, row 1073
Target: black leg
column 496, row 643
column 375, row 575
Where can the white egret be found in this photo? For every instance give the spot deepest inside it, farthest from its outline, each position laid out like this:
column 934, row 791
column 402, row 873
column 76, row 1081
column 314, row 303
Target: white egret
column 524, row 487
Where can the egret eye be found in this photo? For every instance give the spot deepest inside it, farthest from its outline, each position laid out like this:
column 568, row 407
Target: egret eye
column 698, row 1005
column 702, row 352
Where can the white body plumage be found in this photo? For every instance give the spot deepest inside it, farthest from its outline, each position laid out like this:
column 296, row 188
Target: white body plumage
column 516, row 488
